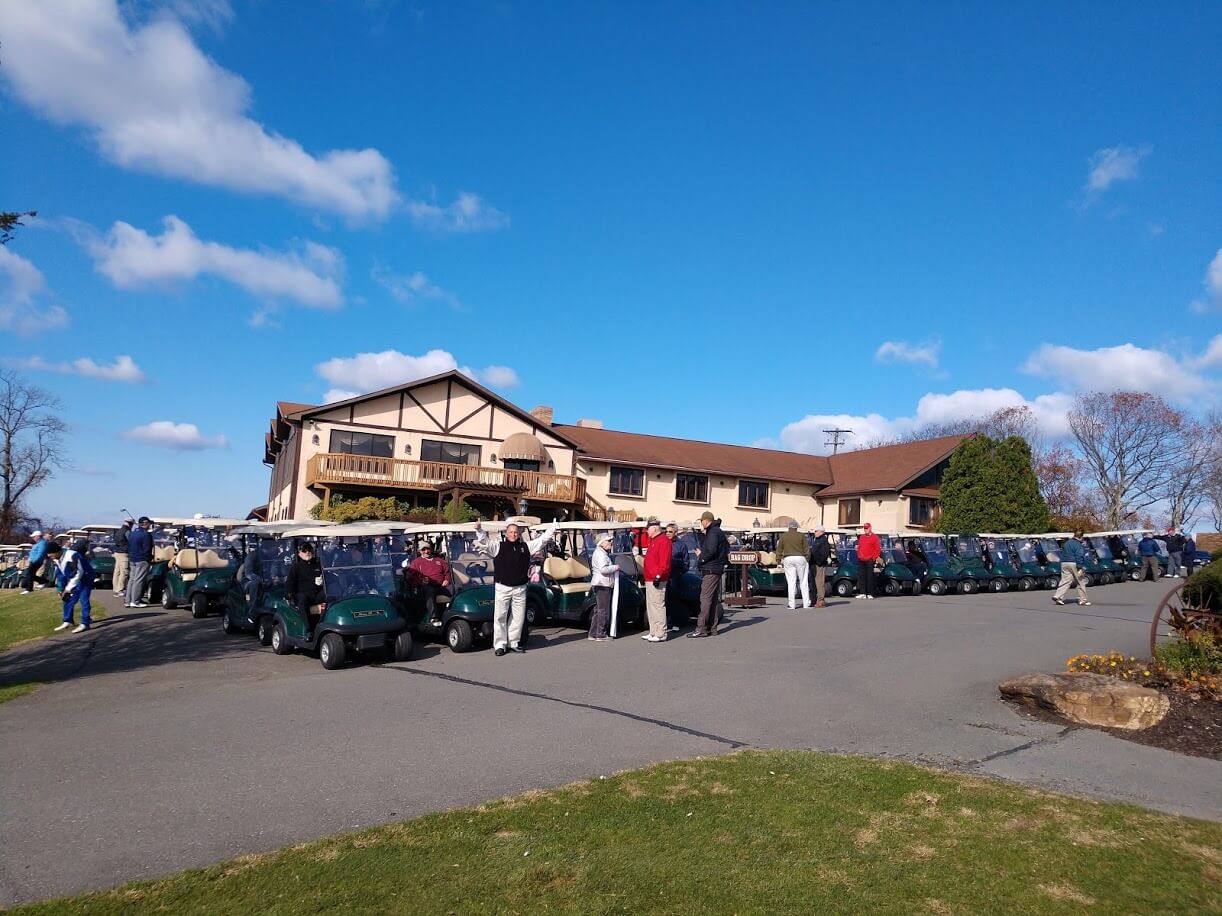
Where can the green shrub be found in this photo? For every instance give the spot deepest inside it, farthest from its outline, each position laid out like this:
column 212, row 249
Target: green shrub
column 358, row 510
column 457, row 511
column 1204, row 588
column 1200, row 655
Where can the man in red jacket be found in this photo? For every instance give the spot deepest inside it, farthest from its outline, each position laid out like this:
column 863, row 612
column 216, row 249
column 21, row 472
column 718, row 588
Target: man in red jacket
column 432, row 575
column 657, row 573
column 869, row 549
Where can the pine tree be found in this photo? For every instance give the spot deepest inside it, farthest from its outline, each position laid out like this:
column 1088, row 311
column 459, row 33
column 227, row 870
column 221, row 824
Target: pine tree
column 991, row 486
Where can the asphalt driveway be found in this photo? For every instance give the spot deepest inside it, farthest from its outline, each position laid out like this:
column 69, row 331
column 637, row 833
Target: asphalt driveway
column 167, row 744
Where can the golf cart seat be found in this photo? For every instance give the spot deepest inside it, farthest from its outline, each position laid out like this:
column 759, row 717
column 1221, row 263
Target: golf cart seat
column 571, row 575
column 190, row 561
column 768, row 561
column 163, row 554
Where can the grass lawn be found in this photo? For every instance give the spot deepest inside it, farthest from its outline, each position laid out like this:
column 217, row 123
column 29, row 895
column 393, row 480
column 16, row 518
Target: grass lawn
column 752, row 832
column 33, row 616
column 12, row 691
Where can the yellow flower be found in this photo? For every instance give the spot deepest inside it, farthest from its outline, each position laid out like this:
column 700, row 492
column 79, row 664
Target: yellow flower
column 1145, row 674
column 1113, row 664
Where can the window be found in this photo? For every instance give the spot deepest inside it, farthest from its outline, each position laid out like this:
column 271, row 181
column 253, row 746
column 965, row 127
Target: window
column 850, row 512
column 692, row 488
column 753, row 493
column 448, row 452
column 626, row 482
column 347, row 442
column 920, row 510
column 521, row 464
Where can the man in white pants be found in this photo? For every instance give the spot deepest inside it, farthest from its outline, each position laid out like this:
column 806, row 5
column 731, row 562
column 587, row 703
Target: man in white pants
column 794, row 554
column 510, row 573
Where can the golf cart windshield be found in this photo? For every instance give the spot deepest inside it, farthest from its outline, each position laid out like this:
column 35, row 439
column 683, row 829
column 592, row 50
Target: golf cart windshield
column 1027, row 553
column 968, row 545
column 101, row 543
column 1100, row 545
column 935, row 549
column 1052, row 550
column 356, row 566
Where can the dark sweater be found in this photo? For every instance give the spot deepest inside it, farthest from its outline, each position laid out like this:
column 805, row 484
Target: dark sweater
column 302, row 587
column 512, row 563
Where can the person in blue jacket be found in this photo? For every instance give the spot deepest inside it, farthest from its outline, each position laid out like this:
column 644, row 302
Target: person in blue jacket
column 1147, row 549
column 35, row 562
column 1073, row 558
column 78, row 584
column 140, row 557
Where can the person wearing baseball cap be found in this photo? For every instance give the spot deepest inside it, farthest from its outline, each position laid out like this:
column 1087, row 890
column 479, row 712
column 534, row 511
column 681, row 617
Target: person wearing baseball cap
column 121, row 559
column 36, row 560
column 712, row 552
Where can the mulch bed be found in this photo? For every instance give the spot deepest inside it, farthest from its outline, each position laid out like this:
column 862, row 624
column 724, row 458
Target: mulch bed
column 1191, row 726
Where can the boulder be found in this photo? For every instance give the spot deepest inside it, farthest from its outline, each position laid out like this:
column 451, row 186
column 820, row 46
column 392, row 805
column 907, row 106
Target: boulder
column 1090, row 699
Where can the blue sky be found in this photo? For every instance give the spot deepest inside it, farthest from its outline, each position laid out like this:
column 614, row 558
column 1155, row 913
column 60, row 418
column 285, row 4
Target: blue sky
column 880, row 215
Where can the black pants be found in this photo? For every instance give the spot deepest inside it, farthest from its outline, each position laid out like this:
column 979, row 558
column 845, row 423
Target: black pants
column 429, row 590
column 32, row 576
column 601, row 618
column 865, row 577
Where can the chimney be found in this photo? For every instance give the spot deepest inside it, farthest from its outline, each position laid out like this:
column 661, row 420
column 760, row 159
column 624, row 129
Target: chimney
column 543, row 414
column 590, row 424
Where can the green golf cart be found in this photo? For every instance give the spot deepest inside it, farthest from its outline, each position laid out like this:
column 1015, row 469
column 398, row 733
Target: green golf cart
column 893, row 574
column 566, row 573
column 101, row 540
column 362, row 613
column 930, row 561
column 966, row 551
column 202, row 569
column 1002, row 563
column 11, row 566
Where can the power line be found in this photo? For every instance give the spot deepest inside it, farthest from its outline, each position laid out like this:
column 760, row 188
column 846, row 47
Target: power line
column 836, row 441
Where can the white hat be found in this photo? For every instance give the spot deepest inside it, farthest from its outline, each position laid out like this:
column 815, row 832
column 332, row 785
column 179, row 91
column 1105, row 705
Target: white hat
column 36, row 534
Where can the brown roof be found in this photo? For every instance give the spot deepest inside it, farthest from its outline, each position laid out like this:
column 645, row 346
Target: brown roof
column 888, row 467
column 690, row 455
column 288, row 408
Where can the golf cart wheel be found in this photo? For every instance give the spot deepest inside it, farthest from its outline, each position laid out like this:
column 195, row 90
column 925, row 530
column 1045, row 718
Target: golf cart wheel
column 1135, row 574
column 1105, row 578
column 156, row 594
column 916, row 587
column 843, row 588
column 891, row 587
column 331, row 651
column 968, row 587
column 937, row 587
column 1052, row 582
column 263, row 631
column 199, row 606
column 227, row 626
column 998, row 585
column 1186, row 616
column 167, row 601
column 459, row 636
column 1026, row 584
column 280, row 640
column 535, row 612
column 401, row 648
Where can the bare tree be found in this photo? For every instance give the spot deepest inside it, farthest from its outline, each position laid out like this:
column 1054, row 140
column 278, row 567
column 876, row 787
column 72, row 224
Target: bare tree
column 31, row 445
column 1197, row 472
column 1213, row 491
column 1130, row 445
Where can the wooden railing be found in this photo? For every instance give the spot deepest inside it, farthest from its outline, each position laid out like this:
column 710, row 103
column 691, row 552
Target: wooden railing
column 331, row 469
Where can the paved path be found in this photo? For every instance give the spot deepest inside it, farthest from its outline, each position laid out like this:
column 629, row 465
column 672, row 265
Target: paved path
column 169, row 745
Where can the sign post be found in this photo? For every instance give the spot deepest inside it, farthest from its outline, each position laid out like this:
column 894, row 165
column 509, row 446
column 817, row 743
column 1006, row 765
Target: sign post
column 744, row 560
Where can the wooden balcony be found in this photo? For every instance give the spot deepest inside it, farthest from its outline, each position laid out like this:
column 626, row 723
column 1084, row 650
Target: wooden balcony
column 331, row 470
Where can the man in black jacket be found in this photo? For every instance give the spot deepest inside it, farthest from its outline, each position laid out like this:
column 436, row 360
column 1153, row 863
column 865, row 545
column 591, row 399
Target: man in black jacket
column 713, row 550
column 121, row 558
column 304, row 586
column 820, row 553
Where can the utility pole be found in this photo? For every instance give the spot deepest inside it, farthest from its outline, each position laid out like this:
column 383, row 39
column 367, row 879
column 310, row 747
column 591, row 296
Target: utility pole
column 836, row 441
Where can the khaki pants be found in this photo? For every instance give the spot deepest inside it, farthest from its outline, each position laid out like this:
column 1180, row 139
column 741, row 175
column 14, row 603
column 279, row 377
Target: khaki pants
column 655, row 608
column 1071, row 575
column 509, row 615
column 120, row 578
column 820, row 583
column 710, row 602
column 1150, row 563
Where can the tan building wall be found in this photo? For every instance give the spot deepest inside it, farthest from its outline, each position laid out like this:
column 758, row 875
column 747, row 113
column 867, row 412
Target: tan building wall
column 785, row 498
column 888, row 513
column 442, row 412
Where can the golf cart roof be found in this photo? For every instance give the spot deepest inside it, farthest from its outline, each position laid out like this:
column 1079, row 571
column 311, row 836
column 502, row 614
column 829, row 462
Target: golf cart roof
column 1092, row 534
column 100, row 527
column 601, row 526
column 166, row 522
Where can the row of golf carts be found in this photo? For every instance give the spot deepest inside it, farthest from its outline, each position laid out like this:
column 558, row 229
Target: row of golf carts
column 373, row 602
column 963, row 563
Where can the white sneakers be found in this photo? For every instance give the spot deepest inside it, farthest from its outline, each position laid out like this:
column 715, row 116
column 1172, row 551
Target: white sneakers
column 40, row 585
column 863, row 597
column 25, row 591
column 80, row 628
column 62, row 626
column 138, row 604
column 649, row 637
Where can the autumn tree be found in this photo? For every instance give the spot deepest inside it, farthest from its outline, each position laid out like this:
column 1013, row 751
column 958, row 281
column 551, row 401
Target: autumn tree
column 31, row 446
column 1197, row 460
column 1130, row 447
column 990, row 485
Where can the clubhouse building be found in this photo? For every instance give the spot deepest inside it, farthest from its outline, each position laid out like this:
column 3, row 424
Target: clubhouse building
column 448, row 437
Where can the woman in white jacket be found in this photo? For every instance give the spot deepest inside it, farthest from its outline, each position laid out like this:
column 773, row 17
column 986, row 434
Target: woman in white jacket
column 602, row 580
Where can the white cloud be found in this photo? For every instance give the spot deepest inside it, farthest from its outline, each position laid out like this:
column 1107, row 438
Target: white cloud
column 353, row 375
column 1122, row 368
column 132, row 258
column 807, row 435
column 899, row 351
column 180, row 436
column 409, row 288
column 155, row 102
column 1116, row 163
column 22, row 291
column 123, row 369
column 1213, row 287
column 1212, row 355
column 468, row 213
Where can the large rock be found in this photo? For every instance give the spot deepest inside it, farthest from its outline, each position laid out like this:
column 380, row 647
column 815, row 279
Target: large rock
column 1090, row 699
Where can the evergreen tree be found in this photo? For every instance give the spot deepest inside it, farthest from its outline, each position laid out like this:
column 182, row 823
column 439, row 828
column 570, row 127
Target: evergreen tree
column 991, row 486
